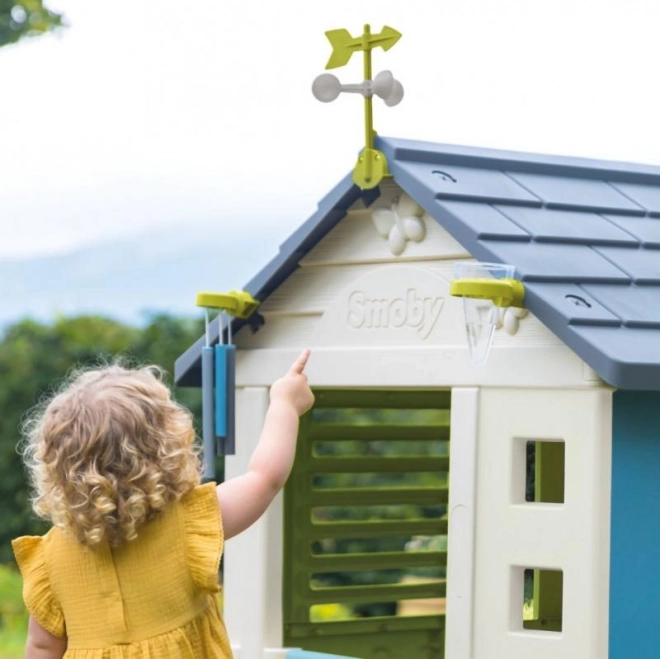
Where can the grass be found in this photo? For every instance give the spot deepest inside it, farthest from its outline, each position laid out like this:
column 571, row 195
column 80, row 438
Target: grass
column 12, row 645
column 13, row 616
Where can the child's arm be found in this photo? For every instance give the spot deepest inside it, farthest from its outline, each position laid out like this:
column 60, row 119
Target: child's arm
column 244, row 499
column 41, row 644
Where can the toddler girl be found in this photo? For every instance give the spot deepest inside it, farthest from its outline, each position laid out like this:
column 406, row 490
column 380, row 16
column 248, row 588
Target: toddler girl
column 130, row 566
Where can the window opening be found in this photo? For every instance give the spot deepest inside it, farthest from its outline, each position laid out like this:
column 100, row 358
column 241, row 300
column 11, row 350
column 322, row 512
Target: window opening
column 543, row 597
column 544, row 473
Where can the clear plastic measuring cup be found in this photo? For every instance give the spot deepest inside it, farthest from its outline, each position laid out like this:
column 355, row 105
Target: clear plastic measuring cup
column 481, row 315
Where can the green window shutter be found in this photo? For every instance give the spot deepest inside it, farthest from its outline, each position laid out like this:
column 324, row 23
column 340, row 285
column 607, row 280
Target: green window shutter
column 366, row 526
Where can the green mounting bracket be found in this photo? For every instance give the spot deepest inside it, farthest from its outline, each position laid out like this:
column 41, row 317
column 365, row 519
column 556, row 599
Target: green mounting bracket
column 371, row 166
column 239, row 304
column 503, row 292
column 370, row 169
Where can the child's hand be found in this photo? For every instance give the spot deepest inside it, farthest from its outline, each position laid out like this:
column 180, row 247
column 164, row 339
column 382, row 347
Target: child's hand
column 293, row 387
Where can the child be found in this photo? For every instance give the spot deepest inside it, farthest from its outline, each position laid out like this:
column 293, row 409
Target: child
column 130, row 567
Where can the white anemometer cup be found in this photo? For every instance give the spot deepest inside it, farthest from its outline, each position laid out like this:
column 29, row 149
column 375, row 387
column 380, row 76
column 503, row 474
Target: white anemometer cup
column 326, row 88
column 482, row 315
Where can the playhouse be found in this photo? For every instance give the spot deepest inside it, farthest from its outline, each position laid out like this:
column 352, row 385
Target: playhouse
column 556, row 563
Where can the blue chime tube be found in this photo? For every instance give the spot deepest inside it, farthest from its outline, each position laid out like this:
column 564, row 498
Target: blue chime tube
column 221, row 395
column 208, row 430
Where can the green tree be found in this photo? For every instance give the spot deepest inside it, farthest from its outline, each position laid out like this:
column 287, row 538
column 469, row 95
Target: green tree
column 25, row 18
column 35, row 356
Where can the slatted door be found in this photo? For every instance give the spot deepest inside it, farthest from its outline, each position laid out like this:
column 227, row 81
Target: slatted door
column 366, row 526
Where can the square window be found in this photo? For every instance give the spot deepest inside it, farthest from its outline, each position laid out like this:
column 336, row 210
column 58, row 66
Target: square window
column 544, row 471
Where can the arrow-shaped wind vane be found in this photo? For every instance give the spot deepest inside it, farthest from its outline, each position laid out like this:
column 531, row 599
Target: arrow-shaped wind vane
column 371, row 166
column 344, row 45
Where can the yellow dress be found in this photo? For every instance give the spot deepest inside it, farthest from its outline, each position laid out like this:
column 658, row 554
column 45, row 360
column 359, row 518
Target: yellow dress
column 153, row 597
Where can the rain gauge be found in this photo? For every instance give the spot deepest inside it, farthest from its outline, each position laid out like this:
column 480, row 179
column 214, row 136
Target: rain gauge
column 486, row 288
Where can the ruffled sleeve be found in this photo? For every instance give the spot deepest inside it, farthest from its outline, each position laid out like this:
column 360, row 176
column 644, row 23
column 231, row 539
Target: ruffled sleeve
column 37, row 594
column 203, row 535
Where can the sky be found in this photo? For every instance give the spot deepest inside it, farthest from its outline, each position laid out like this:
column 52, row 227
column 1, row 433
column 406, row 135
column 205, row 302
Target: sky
column 159, row 113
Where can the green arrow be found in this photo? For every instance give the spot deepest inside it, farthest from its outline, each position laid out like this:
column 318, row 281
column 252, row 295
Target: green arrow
column 344, row 45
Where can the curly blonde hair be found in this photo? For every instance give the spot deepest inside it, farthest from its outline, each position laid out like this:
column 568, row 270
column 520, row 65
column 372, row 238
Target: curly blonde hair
column 109, row 452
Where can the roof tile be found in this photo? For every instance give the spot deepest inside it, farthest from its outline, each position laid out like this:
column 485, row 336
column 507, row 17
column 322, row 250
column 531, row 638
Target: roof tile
column 479, row 220
column 565, row 226
column 642, row 265
column 639, row 306
column 577, row 193
column 542, row 262
column 574, row 303
column 646, row 230
column 469, row 184
column 646, row 196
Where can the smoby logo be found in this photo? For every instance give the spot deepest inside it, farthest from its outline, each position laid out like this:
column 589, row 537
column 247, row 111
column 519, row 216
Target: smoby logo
column 411, row 310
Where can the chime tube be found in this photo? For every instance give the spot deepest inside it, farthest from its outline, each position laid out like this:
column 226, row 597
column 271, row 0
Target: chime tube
column 208, row 430
column 221, row 390
column 230, row 436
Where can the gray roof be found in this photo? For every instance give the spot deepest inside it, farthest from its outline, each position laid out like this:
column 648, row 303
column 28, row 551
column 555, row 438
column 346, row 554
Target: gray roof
column 584, row 236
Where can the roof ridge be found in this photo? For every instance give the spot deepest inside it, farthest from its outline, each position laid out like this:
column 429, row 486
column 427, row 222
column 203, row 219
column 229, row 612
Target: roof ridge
column 531, row 163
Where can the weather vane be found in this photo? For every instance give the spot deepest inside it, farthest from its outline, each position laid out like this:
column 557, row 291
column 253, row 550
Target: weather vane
column 371, row 166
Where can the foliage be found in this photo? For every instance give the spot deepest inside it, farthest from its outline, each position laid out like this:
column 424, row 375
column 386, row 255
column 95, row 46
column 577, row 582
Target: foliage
column 13, row 616
column 12, row 612
column 329, row 612
column 35, row 356
column 25, row 18
column 12, row 644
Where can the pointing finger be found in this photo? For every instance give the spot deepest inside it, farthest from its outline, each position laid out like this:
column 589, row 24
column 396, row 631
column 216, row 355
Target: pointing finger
column 299, row 365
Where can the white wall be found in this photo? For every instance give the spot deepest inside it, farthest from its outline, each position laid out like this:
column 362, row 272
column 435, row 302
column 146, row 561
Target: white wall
column 512, row 534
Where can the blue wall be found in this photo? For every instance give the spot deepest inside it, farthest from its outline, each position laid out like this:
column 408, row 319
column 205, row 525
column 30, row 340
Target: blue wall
column 635, row 557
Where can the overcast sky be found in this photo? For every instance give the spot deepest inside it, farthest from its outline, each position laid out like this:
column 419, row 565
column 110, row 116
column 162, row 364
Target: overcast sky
column 154, row 112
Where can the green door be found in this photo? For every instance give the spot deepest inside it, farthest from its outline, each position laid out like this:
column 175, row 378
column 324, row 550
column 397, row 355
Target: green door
column 366, row 526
